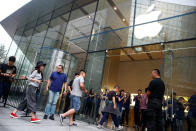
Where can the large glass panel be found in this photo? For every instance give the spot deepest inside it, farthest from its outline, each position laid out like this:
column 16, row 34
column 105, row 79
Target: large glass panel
column 32, row 47
column 80, row 24
column 94, row 73
column 111, row 16
column 22, row 47
column 15, row 42
column 180, row 67
column 163, row 20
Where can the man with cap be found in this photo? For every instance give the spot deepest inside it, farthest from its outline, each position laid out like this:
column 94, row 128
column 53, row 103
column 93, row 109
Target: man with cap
column 7, row 73
column 35, row 80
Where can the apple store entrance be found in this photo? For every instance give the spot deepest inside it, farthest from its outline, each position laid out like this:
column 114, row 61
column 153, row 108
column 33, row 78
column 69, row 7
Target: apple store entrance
column 131, row 68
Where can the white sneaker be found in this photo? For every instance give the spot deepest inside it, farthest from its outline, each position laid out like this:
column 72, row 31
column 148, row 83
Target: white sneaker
column 119, row 128
column 61, row 119
column 99, row 126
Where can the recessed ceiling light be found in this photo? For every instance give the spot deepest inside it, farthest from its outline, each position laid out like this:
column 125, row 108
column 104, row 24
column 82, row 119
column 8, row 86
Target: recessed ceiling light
column 124, row 19
column 89, row 16
column 115, row 8
column 138, row 49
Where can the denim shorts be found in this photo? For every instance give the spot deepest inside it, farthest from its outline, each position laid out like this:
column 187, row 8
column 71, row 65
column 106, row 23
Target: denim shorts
column 75, row 102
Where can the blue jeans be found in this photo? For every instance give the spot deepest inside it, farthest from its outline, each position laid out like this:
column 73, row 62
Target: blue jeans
column 114, row 118
column 51, row 106
column 75, row 102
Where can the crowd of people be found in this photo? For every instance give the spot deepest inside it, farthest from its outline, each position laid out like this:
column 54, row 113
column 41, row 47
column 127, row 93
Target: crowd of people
column 148, row 112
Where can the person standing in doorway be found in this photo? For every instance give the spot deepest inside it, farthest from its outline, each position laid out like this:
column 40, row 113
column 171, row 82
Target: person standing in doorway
column 76, row 93
column 7, row 74
column 36, row 78
column 126, row 108
column 180, row 116
column 56, row 82
column 157, row 89
column 143, row 107
column 137, row 109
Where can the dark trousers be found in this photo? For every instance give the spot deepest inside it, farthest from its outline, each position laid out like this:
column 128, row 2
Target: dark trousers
column 189, row 123
column 155, row 120
column 137, row 116
column 89, row 108
column 144, row 119
column 114, row 118
column 170, row 124
column 4, row 90
column 125, row 114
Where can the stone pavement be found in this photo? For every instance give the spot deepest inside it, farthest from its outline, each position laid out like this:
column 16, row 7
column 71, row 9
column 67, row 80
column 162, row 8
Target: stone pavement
column 23, row 124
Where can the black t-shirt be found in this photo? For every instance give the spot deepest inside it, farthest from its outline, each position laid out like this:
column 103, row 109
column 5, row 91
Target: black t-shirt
column 70, row 83
column 157, row 89
column 111, row 94
column 7, row 69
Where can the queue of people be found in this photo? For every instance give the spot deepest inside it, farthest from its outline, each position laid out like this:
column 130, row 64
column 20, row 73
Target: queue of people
column 148, row 113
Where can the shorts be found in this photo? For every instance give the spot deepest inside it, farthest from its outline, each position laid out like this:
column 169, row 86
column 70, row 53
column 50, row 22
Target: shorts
column 75, row 102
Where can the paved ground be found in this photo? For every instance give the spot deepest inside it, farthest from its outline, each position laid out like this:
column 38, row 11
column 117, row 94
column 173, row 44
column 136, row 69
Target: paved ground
column 23, row 124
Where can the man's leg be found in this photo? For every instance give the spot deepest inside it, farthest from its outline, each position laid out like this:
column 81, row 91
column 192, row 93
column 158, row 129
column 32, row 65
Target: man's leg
column 55, row 99
column 1, row 89
column 6, row 91
column 49, row 104
column 123, row 116
column 159, row 120
column 71, row 119
column 69, row 112
column 151, row 121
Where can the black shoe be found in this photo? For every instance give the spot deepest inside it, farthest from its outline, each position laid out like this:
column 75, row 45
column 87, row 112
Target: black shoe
column 51, row 117
column 45, row 117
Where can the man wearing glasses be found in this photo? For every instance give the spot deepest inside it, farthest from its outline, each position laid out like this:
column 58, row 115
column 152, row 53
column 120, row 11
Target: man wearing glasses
column 56, row 82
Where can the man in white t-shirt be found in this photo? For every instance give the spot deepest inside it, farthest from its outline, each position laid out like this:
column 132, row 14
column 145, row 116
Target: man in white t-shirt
column 76, row 93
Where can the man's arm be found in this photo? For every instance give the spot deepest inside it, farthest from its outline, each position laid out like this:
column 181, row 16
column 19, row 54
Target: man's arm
column 83, row 87
column 65, row 87
column 48, row 84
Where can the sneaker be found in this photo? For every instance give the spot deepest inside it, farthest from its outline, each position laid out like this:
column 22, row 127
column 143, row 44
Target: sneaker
column 99, row 126
column 13, row 115
column 119, row 128
column 45, row 117
column 34, row 120
column 61, row 119
column 51, row 117
column 74, row 124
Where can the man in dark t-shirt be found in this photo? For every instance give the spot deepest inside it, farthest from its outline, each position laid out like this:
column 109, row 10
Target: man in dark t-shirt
column 156, row 88
column 7, row 73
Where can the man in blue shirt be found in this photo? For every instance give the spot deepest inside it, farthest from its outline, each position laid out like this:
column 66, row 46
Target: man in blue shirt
column 56, row 82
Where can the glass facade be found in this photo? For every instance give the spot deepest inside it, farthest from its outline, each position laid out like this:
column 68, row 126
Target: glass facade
column 79, row 34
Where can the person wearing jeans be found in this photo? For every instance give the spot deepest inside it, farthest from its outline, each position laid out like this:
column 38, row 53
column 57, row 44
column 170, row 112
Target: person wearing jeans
column 56, row 82
column 76, row 94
